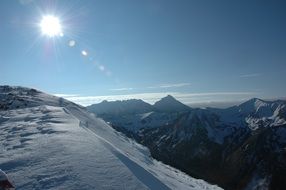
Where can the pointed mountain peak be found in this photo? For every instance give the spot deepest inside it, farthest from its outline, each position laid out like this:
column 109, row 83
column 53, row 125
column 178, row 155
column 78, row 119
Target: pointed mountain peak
column 169, row 97
column 170, row 104
column 256, row 105
column 254, row 102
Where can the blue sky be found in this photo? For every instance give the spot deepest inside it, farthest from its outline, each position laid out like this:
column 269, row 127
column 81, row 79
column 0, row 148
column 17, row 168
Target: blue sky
column 198, row 51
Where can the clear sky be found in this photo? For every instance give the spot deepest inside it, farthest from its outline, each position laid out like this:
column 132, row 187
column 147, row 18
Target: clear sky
column 196, row 50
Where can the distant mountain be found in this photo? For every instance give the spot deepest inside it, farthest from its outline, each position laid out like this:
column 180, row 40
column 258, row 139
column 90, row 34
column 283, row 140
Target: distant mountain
column 240, row 147
column 170, row 104
column 255, row 113
column 133, row 106
column 136, row 114
column 51, row 143
column 121, row 107
column 260, row 108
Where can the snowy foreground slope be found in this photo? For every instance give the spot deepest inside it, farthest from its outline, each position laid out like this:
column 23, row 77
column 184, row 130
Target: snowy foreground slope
column 47, row 142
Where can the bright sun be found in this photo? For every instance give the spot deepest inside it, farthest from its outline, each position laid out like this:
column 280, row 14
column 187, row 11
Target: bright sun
column 51, row 26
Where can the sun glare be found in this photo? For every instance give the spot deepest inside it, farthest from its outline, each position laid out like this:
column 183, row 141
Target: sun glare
column 51, row 26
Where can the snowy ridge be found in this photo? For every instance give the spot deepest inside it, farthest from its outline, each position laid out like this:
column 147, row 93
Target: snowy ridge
column 50, row 143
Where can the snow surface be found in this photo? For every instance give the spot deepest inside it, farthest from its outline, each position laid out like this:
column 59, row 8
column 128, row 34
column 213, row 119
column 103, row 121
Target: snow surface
column 50, row 143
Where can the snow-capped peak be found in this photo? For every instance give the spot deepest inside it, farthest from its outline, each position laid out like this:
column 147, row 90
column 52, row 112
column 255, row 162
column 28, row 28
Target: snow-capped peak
column 259, row 107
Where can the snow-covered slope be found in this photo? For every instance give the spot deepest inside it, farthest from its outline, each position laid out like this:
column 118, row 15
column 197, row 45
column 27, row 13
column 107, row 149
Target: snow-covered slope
column 50, row 143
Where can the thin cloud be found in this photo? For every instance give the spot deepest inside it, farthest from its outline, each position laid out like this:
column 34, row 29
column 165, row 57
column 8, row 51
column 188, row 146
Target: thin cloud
column 67, row 95
column 176, row 85
column 250, row 75
column 187, row 98
column 121, row 89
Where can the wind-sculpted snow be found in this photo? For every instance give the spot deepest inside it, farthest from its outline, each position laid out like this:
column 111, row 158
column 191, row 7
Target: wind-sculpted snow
column 50, row 143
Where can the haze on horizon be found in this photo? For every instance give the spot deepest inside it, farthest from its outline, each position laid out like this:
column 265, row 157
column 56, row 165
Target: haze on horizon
column 201, row 52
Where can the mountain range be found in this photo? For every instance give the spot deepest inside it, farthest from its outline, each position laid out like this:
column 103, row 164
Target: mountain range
column 50, row 143
column 240, row 147
column 135, row 106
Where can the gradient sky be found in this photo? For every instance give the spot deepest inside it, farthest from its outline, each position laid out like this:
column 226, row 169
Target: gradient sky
column 196, row 50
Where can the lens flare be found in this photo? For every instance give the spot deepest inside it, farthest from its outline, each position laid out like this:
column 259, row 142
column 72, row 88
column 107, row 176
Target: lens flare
column 84, row 53
column 71, row 43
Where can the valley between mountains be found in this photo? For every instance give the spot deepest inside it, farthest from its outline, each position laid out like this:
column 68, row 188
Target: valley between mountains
column 240, row 147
